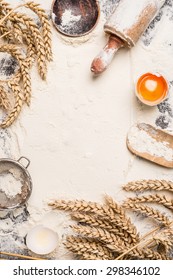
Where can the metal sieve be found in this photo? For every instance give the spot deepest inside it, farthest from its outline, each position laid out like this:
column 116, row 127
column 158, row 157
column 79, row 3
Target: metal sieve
column 20, row 173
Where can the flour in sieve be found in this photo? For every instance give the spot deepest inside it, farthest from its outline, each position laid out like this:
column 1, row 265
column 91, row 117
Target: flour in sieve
column 142, row 142
column 9, row 185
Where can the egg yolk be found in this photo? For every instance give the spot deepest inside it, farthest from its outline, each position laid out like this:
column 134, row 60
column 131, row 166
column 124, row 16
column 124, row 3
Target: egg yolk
column 152, row 87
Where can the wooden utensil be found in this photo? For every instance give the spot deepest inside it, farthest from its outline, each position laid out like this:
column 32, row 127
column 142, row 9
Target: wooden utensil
column 126, row 25
column 158, row 137
column 75, row 18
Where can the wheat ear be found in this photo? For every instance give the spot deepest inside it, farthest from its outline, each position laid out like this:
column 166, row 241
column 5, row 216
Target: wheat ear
column 130, row 228
column 14, row 51
column 114, row 243
column 149, row 212
column 100, row 234
column 42, row 67
column 24, row 36
column 31, row 51
column 81, row 246
column 17, row 33
column 82, row 206
column 91, row 207
column 17, row 107
column 87, row 207
column 45, row 27
column 163, row 241
column 143, row 242
column 144, row 185
column 4, row 100
column 155, row 198
column 38, row 40
column 4, row 30
column 152, row 255
column 164, row 245
column 96, row 221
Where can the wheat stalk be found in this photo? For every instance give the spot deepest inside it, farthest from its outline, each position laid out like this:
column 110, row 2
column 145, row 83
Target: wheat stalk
column 26, row 82
column 100, row 234
column 6, row 33
column 20, row 28
column 91, row 207
column 114, row 243
column 152, row 255
column 81, row 246
column 98, row 217
column 163, row 245
column 4, row 99
column 76, row 205
column 96, row 221
column 130, row 228
column 133, row 252
column 155, row 198
column 14, row 51
column 9, row 11
column 144, row 185
column 17, row 32
column 23, row 35
column 31, row 51
column 13, row 85
column 149, row 212
column 143, row 243
column 163, row 241
column 84, row 206
column 32, row 27
column 42, row 67
column 45, row 27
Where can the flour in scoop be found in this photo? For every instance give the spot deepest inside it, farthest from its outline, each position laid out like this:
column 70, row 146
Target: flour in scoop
column 68, row 18
column 142, row 142
column 9, row 185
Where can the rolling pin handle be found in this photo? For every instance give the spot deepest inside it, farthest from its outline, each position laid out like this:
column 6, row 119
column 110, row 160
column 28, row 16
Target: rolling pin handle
column 104, row 58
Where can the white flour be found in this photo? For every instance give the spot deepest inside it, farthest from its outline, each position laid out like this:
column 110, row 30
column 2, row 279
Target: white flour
column 80, row 141
column 68, row 18
column 9, row 185
column 142, row 142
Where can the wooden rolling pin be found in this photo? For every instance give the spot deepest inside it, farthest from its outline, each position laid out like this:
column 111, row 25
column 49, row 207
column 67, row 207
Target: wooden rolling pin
column 125, row 26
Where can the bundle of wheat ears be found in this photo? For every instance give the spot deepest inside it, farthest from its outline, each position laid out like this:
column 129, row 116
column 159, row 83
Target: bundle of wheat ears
column 26, row 41
column 105, row 232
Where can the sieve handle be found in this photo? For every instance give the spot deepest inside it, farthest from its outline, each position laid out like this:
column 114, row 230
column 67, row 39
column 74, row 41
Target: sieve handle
column 28, row 161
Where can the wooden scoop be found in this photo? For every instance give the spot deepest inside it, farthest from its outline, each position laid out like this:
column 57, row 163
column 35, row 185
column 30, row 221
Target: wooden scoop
column 152, row 144
column 75, row 18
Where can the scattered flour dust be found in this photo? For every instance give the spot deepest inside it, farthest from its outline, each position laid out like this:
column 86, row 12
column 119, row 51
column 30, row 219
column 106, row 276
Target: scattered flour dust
column 10, row 185
column 142, row 142
column 68, row 18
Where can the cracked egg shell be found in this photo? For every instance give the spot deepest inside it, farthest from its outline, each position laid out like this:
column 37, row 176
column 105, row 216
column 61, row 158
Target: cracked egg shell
column 152, row 89
column 42, row 240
